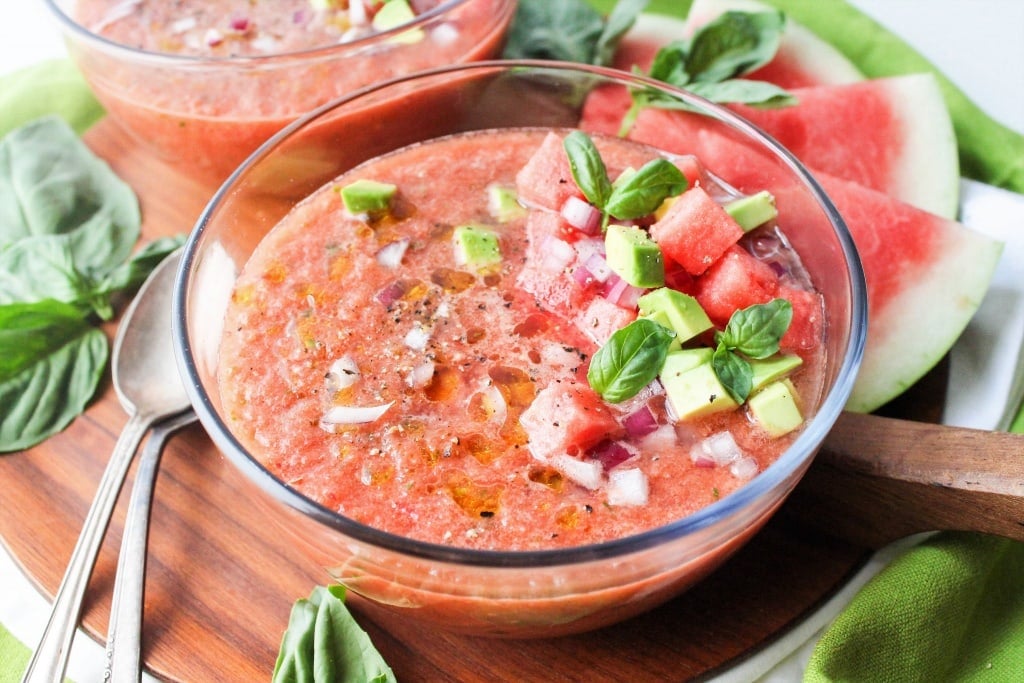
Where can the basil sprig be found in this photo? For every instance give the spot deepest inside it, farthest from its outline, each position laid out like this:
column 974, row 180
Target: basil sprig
column 569, row 30
column 67, row 228
column 712, row 62
column 630, row 359
column 752, row 332
column 324, row 644
column 639, row 195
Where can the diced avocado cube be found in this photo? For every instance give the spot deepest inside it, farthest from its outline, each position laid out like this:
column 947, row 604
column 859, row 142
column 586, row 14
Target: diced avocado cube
column 476, row 247
column 691, row 385
column 395, row 13
column 503, row 203
column 685, row 316
column 661, row 318
column 634, row 256
column 752, row 210
column 663, row 208
column 775, row 367
column 775, row 408
column 367, row 196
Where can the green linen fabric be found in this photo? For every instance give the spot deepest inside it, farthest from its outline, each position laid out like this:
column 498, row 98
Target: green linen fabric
column 14, row 657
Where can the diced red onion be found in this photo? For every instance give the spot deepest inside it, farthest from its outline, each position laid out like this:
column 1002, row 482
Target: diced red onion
column 744, row 468
column 628, row 487
column 342, row 374
column 583, row 277
column 609, row 453
column 587, row 473
column 391, row 293
column 581, row 215
column 213, row 37
column 298, row 17
column 391, row 254
column 598, row 267
column 338, row 416
column 640, row 422
column 621, row 293
column 558, row 254
column 239, row 24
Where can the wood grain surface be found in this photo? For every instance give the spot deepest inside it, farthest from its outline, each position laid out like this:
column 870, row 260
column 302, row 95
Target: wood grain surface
column 221, row 582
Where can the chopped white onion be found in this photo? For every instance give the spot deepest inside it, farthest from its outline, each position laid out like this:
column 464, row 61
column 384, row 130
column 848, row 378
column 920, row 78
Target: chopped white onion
column 444, row 34
column 494, row 403
column 628, row 487
column 581, row 215
column 357, row 13
column 586, row 473
column 421, row 374
column 337, row 416
column 416, row 338
column 116, row 13
column 213, row 37
column 265, row 44
column 718, row 449
column 390, row 255
column 342, row 374
column 744, row 468
column 558, row 254
column 182, row 25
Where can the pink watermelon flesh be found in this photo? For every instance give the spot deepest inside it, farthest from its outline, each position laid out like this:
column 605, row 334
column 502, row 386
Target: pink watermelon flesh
column 926, row 275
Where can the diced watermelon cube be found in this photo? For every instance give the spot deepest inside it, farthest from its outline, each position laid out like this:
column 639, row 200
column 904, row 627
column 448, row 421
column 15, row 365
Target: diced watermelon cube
column 567, row 417
column 546, row 180
column 735, row 281
column 804, row 331
column 695, row 231
column 601, row 318
column 547, row 266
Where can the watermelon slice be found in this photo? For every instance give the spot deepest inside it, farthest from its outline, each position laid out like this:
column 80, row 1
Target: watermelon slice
column 926, row 275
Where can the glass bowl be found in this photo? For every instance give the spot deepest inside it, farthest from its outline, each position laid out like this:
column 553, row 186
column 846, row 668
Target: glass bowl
column 205, row 110
column 484, row 592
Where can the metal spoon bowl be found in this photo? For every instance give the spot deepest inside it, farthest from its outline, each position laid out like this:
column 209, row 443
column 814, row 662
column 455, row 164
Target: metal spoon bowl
column 149, row 388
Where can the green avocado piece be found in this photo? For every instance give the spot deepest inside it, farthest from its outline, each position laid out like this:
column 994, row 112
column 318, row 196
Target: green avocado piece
column 774, row 408
column 476, row 247
column 684, row 314
column 772, row 368
column 634, row 256
column 503, row 203
column 367, row 196
column 691, row 385
column 752, row 210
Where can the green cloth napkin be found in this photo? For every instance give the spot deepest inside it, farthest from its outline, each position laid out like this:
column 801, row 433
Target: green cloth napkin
column 51, row 87
column 14, row 656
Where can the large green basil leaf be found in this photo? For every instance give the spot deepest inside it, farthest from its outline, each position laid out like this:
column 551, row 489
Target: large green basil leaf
column 51, row 361
column 51, row 183
column 324, row 644
column 630, row 359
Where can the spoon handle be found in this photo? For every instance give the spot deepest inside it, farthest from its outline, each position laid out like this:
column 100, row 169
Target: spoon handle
column 124, row 633
column 50, row 659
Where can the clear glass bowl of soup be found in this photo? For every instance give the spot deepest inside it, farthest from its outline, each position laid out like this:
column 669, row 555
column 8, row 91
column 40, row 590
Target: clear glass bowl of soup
column 202, row 84
column 565, row 566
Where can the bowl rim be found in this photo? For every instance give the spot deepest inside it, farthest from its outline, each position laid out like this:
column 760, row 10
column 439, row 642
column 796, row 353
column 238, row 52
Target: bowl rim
column 168, row 59
column 800, row 453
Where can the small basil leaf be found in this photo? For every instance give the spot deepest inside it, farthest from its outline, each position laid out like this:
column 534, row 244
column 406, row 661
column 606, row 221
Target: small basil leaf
column 588, row 169
column 669, row 64
column 41, row 267
column 645, row 190
column 733, row 372
column 130, row 276
column 620, row 20
column 630, row 359
column 51, row 361
column 51, row 183
column 754, row 93
column 755, row 331
column 324, row 644
column 565, row 30
column 734, row 44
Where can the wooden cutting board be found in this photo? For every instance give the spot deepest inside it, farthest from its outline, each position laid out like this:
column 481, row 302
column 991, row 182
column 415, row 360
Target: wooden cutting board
column 221, row 582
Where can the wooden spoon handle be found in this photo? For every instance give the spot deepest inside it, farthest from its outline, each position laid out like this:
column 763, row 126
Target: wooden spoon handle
column 877, row 479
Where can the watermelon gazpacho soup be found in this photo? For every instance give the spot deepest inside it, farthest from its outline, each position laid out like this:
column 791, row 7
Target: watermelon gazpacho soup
column 205, row 82
column 558, row 340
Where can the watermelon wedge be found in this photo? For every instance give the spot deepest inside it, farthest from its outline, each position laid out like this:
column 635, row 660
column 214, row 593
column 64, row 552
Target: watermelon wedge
column 926, row 274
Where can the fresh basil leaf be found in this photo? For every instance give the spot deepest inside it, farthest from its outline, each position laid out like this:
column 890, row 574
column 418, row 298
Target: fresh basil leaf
column 755, row 331
column 51, row 183
column 645, row 190
column 733, row 372
column 734, row 44
column 41, row 267
column 51, row 361
column 669, row 64
column 129, row 276
column 564, row 30
column 630, row 359
column 620, row 20
column 755, row 93
column 324, row 644
column 588, row 169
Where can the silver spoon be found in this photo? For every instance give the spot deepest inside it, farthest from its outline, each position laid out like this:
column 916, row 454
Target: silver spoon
column 124, row 634
column 148, row 385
